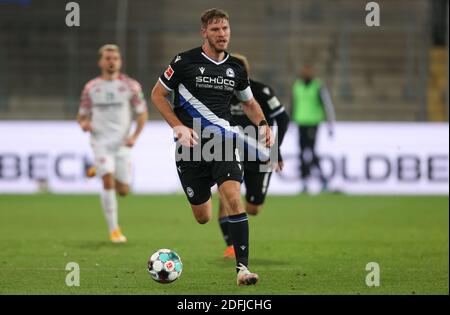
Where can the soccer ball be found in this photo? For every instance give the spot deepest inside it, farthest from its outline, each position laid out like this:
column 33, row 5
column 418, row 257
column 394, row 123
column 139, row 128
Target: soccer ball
column 165, row 266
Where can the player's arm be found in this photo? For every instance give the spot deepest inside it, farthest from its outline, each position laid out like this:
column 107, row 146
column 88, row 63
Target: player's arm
column 273, row 108
column 185, row 135
column 327, row 103
column 141, row 119
column 165, row 84
column 254, row 112
column 84, row 113
column 139, row 105
column 276, row 111
column 282, row 120
column 162, row 104
column 85, row 122
column 251, row 107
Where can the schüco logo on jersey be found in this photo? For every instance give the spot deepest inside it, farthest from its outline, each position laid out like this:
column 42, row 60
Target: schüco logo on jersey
column 220, row 81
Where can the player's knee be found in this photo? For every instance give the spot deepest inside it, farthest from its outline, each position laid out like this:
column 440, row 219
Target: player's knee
column 222, row 210
column 108, row 185
column 235, row 206
column 108, row 182
column 123, row 191
column 253, row 209
column 202, row 212
column 203, row 218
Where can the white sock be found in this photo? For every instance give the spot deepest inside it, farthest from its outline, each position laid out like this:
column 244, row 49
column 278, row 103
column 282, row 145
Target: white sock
column 109, row 205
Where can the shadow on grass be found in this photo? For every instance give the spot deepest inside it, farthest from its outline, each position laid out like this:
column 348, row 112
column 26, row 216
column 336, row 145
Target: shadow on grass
column 253, row 262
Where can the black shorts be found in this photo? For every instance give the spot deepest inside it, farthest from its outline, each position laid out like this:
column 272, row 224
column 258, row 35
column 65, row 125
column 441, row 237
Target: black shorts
column 256, row 183
column 197, row 177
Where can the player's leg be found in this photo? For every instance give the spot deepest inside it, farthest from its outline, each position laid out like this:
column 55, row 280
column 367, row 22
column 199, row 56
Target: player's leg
column 202, row 212
column 228, row 175
column 253, row 209
column 109, row 202
column 123, row 171
column 105, row 166
column 303, row 143
column 121, row 178
column 122, row 188
column 196, row 183
column 315, row 162
column 223, row 223
column 256, row 184
column 239, row 230
column 237, row 218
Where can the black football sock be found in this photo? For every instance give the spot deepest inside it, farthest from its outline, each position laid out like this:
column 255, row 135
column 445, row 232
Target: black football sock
column 238, row 228
column 223, row 222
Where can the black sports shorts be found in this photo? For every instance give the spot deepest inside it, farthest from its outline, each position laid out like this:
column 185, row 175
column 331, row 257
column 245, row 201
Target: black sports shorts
column 197, row 177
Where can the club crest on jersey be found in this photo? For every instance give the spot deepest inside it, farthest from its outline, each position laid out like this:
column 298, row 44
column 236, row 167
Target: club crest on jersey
column 168, row 73
column 230, row 73
column 202, row 69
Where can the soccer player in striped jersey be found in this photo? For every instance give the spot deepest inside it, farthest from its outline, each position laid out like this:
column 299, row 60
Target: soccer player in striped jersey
column 204, row 80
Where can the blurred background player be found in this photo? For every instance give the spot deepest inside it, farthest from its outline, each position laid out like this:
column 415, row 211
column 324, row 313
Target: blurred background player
column 209, row 103
column 311, row 105
column 106, row 112
column 256, row 180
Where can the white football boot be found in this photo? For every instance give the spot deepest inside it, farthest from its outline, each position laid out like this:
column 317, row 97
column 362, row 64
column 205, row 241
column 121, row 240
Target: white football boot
column 245, row 277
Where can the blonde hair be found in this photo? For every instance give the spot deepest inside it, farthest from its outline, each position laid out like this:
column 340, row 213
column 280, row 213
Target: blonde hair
column 209, row 16
column 108, row 47
column 243, row 59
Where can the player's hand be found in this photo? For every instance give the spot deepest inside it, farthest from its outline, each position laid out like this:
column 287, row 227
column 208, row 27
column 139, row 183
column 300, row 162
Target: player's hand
column 186, row 136
column 279, row 164
column 278, row 167
column 129, row 142
column 266, row 133
column 86, row 125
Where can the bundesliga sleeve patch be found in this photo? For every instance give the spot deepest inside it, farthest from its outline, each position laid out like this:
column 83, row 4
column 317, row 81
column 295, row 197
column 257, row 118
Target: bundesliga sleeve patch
column 168, row 73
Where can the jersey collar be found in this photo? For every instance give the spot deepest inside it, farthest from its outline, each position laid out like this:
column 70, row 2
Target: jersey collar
column 215, row 62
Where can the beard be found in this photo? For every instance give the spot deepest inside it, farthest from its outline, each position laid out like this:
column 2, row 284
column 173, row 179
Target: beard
column 215, row 47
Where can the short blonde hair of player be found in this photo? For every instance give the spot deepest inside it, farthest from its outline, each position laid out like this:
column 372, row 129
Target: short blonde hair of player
column 211, row 15
column 108, row 47
column 243, row 59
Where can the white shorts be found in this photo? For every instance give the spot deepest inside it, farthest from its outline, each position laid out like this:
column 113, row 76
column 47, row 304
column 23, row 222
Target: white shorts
column 116, row 162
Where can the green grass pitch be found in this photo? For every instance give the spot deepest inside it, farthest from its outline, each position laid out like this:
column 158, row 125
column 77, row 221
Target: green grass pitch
column 299, row 245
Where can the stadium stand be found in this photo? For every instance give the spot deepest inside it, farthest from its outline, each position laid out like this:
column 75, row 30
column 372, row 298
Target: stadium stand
column 374, row 73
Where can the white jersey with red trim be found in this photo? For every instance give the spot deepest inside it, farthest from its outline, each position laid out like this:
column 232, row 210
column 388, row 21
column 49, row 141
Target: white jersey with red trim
column 110, row 104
